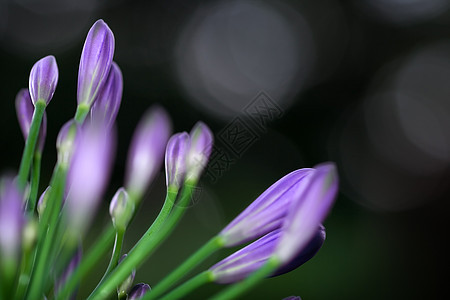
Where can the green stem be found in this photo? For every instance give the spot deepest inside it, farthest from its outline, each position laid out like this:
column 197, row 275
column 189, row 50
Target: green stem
column 200, row 255
column 47, row 232
column 242, row 287
column 143, row 249
column 88, row 262
column 81, row 113
column 187, row 287
column 30, row 143
column 35, row 176
column 25, row 270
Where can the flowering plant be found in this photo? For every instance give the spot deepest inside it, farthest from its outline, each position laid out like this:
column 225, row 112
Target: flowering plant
column 42, row 238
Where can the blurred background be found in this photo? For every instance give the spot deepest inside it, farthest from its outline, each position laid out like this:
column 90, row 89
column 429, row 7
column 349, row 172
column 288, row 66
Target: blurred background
column 363, row 83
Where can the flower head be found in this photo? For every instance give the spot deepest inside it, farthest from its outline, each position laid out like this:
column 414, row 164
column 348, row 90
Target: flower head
column 106, row 107
column 121, row 209
column 146, row 153
column 138, row 291
column 176, row 155
column 43, row 79
column 199, row 151
column 315, row 198
column 267, row 212
column 95, row 62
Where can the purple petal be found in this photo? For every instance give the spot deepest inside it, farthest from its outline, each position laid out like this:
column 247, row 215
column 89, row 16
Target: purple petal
column 146, row 153
column 200, row 150
column 242, row 263
column 95, row 62
column 267, row 212
column 176, row 155
column 11, row 218
column 315, row 199
column 138, row 291
column 107, row 105
column 88, row 173
column 292, row 298
column 24, row 110
column 43, row 79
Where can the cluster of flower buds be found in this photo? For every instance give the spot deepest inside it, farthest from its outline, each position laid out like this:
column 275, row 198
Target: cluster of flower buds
column 283, row 224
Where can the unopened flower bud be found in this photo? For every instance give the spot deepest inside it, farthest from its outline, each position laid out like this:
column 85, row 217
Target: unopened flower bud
column 138, row 291
column 43, row 79
column 121, row 209
column 176, row 155
column 199, row 150
column 30, row 234
column 65, row 142
column 42, row 202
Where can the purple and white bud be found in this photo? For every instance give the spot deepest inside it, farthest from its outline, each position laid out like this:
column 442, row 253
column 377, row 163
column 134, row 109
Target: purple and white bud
column 138, row 291
column 176, row 159
column 106, row 107
column 121, row 209
column 43, row 79
column 42, row 202
column 267, row 212
column 95, row 62
column 200, row 150
column 292, row 298
column 11, row 218
column 314, row 200
column 123, row 289
column 89, row 173
column 146, row 153
column 25, row 110
column 244, row 262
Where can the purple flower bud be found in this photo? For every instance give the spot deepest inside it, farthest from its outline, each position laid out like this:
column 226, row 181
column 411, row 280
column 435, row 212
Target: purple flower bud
column 267, row 212
column 74, row 262
column 42, row 202
column 122, row 290
column 106, row 107
column 138, row 291
column 95, row 62
column 25, row 110
column 11, row 218
column 121, row 209
column 43, row 79
column 314, row 200
column 292, row 298
column 88, row 173
column 200, row 150
column 146, row 153
column 176, row 155
column 242, row 263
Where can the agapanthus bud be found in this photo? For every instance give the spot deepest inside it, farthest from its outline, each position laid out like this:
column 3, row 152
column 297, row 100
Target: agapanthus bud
column 25, row 110
column 292, row 298
column 146, row 153
column 95, row 62
column 42, row 202
column 65, row 142
column 123, row 289
column 11, row 218
column 242, row 263
column 30, row 234
column 138, row 291
column 88, row 173
column 73, row 264
column 199, row 151
column 43, row 79
column 176, row 155
column 106, row 107
column 315, row 198
column 121, row 209
column 267, row 212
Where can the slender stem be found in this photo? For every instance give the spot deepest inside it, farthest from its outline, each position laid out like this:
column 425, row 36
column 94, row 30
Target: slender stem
column 30, row 143
column 115, row 254
column 200, row 255
column 25, row 270
column 188, row 286
column 242, row 287
column 144, row 248
column 35, row 176
column 88, row 262
column 81, row 113
column 47, row 233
